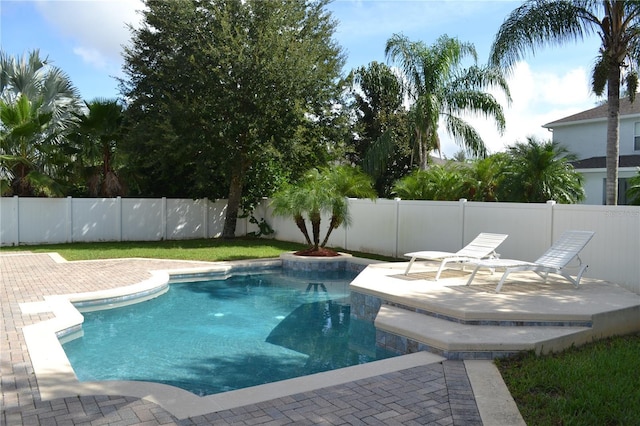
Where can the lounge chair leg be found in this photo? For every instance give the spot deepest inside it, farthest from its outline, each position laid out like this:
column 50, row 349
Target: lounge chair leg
column 440, row 269
column 502, row 280
column 413, row 259
column 579, row 276
column 473, row 275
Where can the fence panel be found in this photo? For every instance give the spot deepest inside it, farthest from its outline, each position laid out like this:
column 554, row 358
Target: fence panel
column 95, row 219
column 370, row 233
column 528, row 226
column 215, row 216
column 186, row 219
column 429, row 225
column 44, row 222
column 614, row 252
column 142, row 219
column 9, row 221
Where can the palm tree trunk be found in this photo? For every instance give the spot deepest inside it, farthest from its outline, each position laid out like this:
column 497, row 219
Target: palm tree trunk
column 302, row 226
column 335, row 222
column 613, row 142
column 315, row 228
column 422, row 157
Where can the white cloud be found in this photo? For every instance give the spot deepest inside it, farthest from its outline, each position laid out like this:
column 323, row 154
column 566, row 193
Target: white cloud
column 91, row 56
column 96, row 28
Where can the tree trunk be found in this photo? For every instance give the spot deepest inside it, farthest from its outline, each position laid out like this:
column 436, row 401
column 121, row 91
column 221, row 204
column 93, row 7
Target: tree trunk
column 613, row 142
column 233, row 202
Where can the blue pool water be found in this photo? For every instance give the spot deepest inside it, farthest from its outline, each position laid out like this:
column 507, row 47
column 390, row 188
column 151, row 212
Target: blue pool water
column 218, row 335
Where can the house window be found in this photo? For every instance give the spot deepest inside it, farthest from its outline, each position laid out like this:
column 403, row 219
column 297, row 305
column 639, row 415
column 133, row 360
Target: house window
column 636, row 137
column 623, row 185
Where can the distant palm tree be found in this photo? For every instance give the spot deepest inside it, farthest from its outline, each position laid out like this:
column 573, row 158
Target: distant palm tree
column 439, row 182
column 484, row 177
column 438, row 87
column 99, row 132
column 23, row 157
column 323, row 190
column 538, row 23
column 537, row 172
column 39, row 106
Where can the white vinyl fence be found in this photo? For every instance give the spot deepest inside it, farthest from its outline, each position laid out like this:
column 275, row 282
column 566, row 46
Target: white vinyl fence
column 388, row 227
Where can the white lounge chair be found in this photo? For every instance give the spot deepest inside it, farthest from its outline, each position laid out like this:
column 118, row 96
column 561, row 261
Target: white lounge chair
column 483, row 246
column 554, row 260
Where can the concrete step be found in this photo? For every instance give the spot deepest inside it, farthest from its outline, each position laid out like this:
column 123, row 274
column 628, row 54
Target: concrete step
column 464, row 341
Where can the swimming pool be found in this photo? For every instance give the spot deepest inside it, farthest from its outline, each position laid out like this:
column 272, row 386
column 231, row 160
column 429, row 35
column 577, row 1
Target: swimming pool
column 218, row 335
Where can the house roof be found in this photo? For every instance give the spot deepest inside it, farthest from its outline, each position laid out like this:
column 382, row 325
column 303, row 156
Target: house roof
column 599, row 112
column 600, row 162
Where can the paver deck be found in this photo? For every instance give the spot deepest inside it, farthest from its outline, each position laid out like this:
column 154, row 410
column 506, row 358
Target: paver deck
column 436, row 393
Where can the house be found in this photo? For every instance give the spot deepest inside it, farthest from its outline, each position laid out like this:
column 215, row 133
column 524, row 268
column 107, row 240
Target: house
column 585, row 135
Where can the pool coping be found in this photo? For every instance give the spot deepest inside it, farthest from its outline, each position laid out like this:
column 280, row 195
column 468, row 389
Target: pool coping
column 56, row 377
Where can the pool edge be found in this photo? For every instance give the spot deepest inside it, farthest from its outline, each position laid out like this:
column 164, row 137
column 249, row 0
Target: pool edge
column 56, row 377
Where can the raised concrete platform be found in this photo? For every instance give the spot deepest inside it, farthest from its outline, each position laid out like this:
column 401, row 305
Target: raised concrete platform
column 472, row 322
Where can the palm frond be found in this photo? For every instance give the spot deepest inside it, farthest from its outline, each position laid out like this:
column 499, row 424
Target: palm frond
column 465, row 136
column 539, row 23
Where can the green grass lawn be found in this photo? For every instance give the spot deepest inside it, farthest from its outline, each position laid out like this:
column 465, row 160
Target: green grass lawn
column 203, row 249
column 209, row 250
column 596, row 384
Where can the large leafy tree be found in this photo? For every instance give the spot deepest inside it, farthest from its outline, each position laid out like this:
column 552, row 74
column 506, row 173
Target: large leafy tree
column 538, row 171
column 220, row 90
column 440, row 88
column 538, row 23
column 381, row 142
column 38, row 104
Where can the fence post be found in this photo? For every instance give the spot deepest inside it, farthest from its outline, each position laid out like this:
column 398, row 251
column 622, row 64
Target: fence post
column 69, row 221
column 119, row 217
column 346, row 228
column 164, row 218
column 397, row 219
column 462, row 203
column 550, row 207
column 16, row 210
column 205, row 218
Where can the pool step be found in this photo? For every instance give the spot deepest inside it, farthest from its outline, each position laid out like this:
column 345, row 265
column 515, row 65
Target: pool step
column 455, row 340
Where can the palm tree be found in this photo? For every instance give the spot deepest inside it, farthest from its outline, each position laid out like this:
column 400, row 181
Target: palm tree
column 39, row 106
column 537, row 23
column 291, row 200
column 99, row 132
column 322, row 191
column 438, row 87
column 445, row 182
column 23, row 165
column 484, row 178
column 540, row 171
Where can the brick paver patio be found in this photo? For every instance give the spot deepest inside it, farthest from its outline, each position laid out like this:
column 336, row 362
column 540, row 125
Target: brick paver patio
column 438, row 394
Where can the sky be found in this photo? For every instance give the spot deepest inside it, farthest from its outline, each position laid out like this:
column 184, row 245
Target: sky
column 85, row 37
